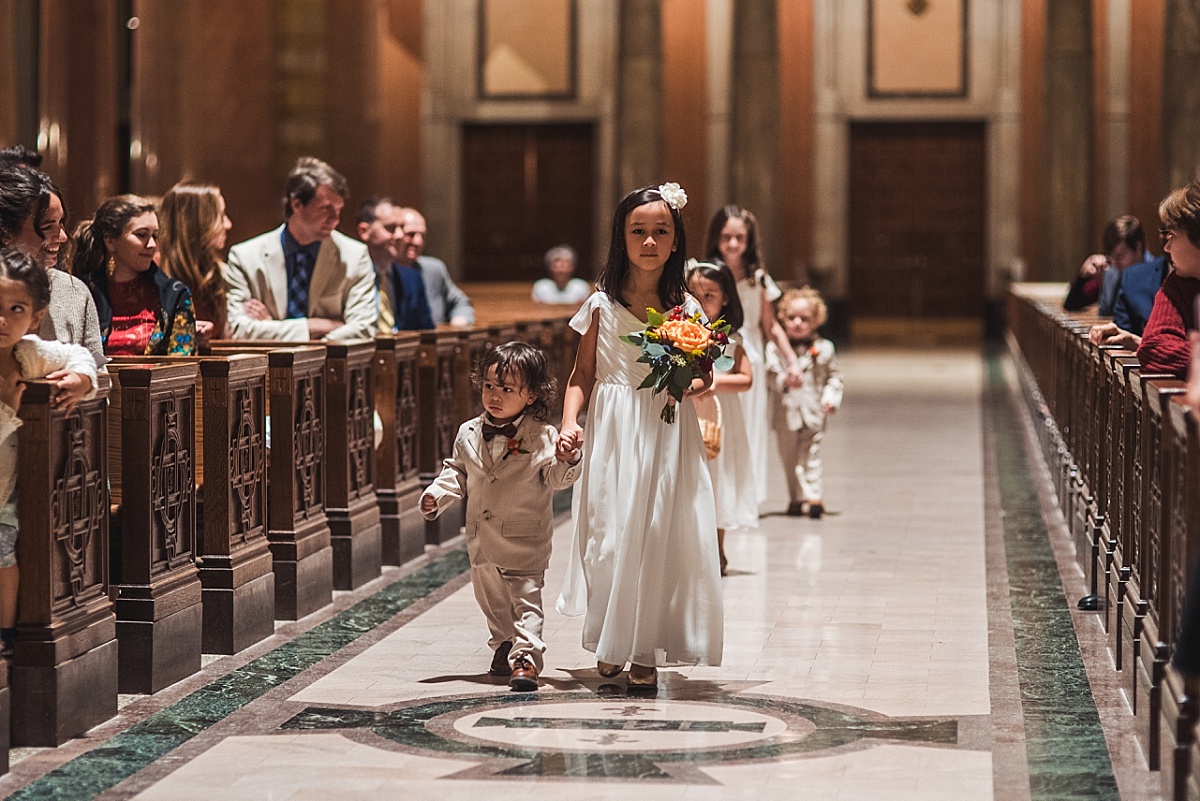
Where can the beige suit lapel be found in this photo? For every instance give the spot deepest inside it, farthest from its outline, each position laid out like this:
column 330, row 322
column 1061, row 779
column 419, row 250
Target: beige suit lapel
column 479, row 449
column 274, row 270
column 319, row 283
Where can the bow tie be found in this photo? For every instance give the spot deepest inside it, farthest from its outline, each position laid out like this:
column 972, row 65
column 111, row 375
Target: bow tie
column 507, row 431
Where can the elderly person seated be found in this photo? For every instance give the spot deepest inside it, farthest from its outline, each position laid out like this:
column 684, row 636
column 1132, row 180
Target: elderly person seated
column 562, row 286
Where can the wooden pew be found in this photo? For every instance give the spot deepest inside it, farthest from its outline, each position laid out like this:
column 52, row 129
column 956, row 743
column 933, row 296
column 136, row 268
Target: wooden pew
column 1132, row 439
column 153, row 455
column 438, row 387
column 232, row 553
column 298, row 529
column 397, row 481
column 236, row 568
column 64, row 671
column 351, row 504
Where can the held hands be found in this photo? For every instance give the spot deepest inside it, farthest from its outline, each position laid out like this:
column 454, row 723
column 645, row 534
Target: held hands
column 428, row 504
column 70, row 387
column 794, row 379
column 570, row 440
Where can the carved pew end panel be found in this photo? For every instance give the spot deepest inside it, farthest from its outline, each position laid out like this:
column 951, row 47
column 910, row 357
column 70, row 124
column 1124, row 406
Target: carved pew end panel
column 236, row 570
column 397, row 482
column 64, row 673
column 158, row 602
column 298, row 529
column 351, row 504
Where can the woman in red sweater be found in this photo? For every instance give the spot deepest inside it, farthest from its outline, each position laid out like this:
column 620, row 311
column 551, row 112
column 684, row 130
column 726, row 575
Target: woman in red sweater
column 1164, row 347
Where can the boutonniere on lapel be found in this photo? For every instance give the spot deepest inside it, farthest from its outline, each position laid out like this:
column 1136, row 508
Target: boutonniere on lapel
column 513, row 446
column 814, row 350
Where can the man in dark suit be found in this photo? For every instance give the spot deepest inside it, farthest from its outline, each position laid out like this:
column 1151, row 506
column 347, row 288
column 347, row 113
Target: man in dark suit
column 403, row 303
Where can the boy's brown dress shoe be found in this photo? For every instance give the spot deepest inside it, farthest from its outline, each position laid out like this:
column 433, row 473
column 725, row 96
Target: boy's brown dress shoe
column 500, row 660
column 524, row 676
column 796, row 509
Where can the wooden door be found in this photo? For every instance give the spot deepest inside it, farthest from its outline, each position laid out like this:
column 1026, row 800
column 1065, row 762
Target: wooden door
column 526, row 188
column 917, row 221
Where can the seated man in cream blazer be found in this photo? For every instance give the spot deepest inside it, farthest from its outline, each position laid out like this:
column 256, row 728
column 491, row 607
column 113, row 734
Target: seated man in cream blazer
column 303, row 280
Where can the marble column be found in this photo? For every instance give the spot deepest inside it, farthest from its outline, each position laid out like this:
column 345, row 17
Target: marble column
column 1181, row 95
column 1067, row 232
column 754, row 146
column 639, row 95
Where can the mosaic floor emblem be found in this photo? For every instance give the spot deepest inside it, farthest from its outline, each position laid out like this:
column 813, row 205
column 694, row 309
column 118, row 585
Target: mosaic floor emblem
column 582, row 734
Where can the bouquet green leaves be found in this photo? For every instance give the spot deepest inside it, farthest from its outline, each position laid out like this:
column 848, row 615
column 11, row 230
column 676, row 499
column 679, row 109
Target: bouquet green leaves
column 679, row 349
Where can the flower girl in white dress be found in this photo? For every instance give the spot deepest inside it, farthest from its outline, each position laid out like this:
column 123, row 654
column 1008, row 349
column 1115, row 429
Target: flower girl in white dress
column 643, row 568
column 733, row 241
column 731, row 470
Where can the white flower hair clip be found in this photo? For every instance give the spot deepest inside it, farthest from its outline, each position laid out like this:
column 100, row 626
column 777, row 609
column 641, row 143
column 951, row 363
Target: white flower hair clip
column 673, row 194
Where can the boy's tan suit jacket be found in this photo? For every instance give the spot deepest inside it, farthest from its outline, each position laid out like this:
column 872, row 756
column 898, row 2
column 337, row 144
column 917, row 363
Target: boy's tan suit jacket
column 510, row 517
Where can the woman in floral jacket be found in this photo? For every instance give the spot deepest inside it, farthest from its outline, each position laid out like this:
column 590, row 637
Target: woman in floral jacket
column 142, row 310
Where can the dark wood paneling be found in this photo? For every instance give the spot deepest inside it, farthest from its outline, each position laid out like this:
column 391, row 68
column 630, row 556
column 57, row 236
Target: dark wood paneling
column 526, row 188
column 917, row 219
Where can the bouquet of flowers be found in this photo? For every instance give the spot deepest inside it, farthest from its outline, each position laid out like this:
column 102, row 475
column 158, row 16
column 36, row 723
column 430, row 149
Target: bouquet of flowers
column 679, row 348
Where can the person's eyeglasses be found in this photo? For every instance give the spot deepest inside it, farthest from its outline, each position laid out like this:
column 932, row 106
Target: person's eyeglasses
column 1165, row 233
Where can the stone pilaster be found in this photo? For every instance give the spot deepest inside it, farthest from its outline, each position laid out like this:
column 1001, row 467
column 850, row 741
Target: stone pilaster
column 639, row 95
column 1181, row 95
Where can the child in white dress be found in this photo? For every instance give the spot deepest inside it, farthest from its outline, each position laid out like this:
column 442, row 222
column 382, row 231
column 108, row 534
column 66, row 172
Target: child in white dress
column 733, row 240
column 808, row 399
column 24, row 296
column 732, row 474
column 643, row 568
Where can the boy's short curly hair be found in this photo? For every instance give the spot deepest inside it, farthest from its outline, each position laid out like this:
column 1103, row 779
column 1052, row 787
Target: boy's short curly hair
column 804, row 293
column 523, row 364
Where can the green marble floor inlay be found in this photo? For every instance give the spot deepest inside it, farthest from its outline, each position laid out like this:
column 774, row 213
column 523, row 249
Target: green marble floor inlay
column 125, row 754
column 1067, row 754
column 811, row 729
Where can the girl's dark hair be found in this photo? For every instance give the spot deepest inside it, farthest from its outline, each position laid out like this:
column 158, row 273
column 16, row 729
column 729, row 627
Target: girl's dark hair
column 523, row 364
column 671, row 285
column 712, row 249
column 91, row 253
column 717, row 272
column 18, row 266
column 24, row 193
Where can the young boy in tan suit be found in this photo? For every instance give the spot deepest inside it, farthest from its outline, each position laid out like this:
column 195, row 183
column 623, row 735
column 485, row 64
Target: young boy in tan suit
column 504, row 463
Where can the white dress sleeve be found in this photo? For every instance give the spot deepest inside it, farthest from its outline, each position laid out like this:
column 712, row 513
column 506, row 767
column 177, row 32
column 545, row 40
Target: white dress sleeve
column 582, row 320
column 770, row 288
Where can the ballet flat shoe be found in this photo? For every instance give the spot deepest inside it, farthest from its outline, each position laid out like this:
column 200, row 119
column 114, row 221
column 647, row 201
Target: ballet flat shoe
column 608, row 670
column 639, row 679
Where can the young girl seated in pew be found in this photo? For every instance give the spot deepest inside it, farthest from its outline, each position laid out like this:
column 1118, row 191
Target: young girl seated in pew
column 24, row 296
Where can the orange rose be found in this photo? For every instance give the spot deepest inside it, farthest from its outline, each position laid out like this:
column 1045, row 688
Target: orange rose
column 686, row 335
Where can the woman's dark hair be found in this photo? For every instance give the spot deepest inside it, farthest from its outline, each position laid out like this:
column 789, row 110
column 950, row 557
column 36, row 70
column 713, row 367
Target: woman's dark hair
column 712, row 250
column 24, row 193
column 91, row 253
column 671, row 286
column 722, row 276
column 522, row 364
column 16, row 265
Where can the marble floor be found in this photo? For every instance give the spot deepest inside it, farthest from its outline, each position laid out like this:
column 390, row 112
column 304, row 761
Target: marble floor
column 897, row 648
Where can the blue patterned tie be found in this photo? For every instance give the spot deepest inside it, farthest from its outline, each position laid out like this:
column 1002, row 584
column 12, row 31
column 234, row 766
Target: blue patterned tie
column 297, row 305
